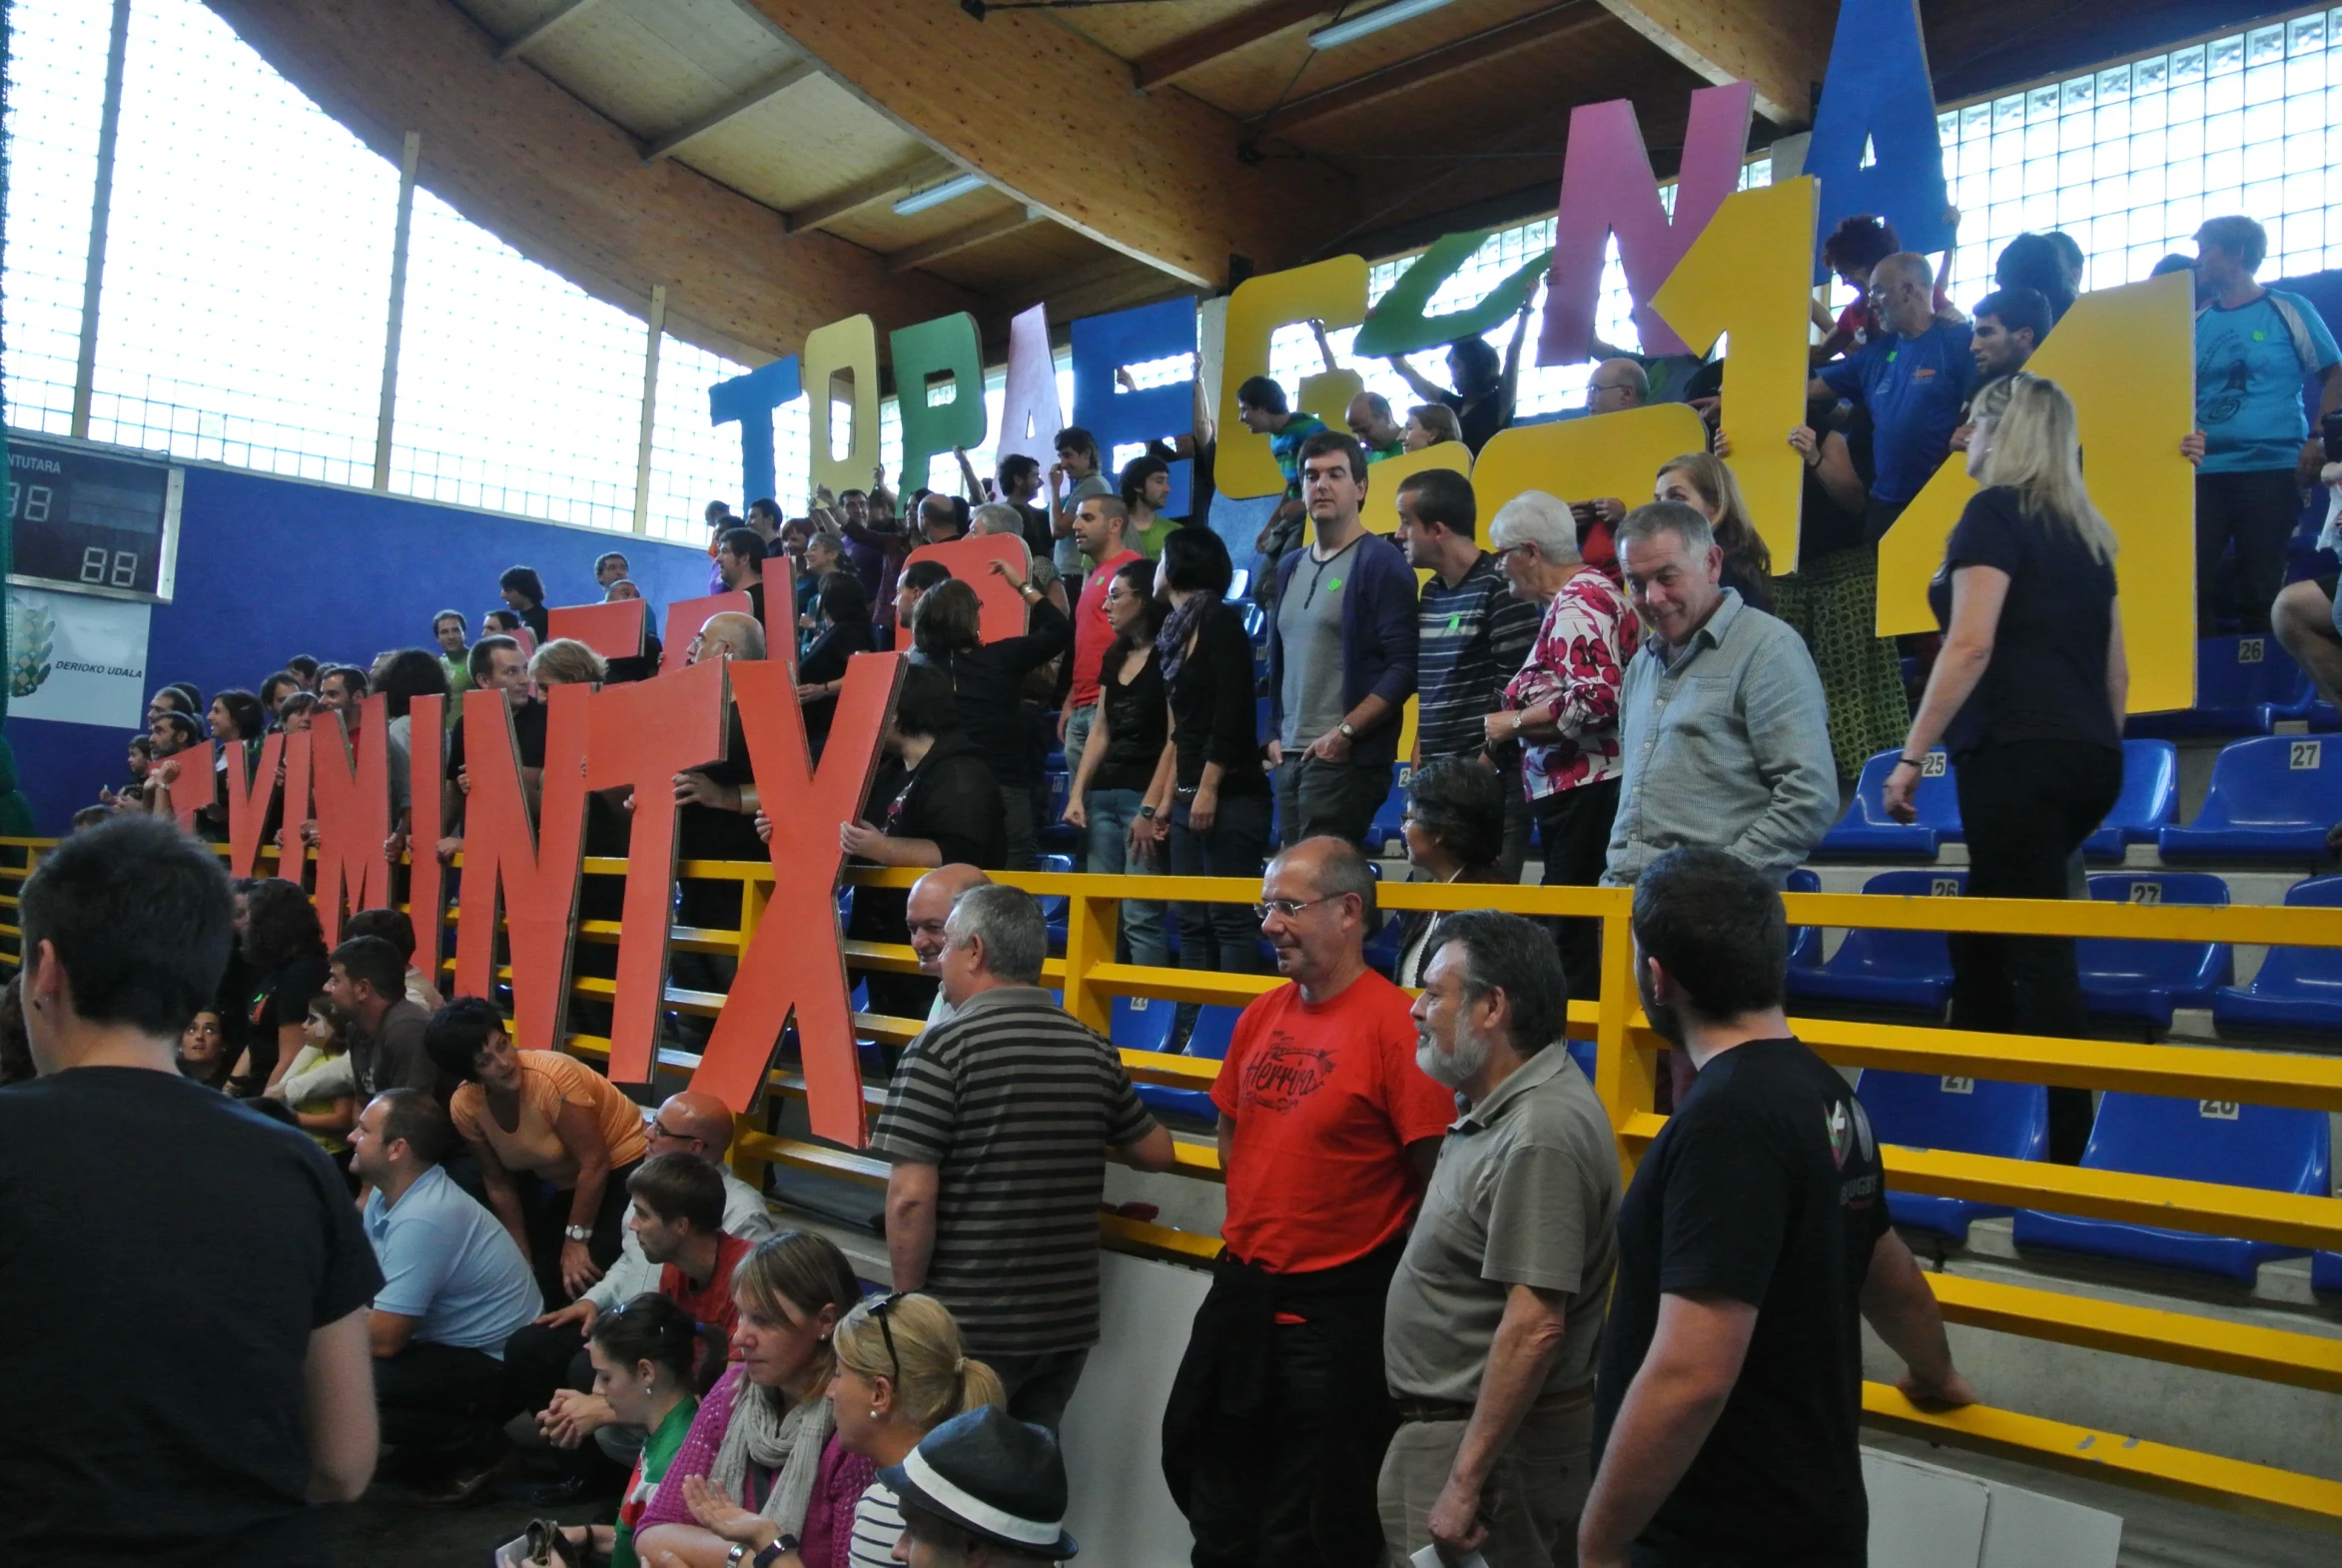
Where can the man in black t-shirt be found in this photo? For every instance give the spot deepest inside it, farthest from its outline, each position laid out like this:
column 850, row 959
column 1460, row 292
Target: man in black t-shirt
column 185, row 1281
column 1752, row 1242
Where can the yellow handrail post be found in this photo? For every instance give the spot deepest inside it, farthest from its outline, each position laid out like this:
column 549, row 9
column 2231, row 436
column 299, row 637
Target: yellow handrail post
column 1090, row 923
column 1625, row 1072
column 746, row 1162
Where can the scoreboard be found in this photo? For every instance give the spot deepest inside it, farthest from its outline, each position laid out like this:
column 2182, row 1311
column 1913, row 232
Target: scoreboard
column 89, row 519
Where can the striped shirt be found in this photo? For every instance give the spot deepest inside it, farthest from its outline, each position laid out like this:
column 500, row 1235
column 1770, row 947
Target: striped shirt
column 878, row 1525
column 1471, row 639
column 1013, row 1103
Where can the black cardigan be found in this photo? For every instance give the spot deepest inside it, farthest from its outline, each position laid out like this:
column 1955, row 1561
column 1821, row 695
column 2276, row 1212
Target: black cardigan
column 1213, row 703
column 987, row 684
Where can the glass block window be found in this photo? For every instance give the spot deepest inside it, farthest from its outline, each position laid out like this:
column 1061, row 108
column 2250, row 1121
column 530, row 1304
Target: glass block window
column 692, row 462
column 56, row 91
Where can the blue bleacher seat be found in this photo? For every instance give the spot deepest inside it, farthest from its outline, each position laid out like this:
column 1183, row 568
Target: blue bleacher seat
column 2149, row 799
column 1053, row 828
column 1054, row 905
column 1385, row 833
column 2272, row 797
column 1582, row 1053
column 2325, row 1272
column 1141, row 1024
column 2277, row 1149
column 1964, row 1115
column 1239, row 581
column 1866, row 832
column 2304, row 706
column 1215, row 1028
column 1804, row 942
column 2233, row 677
column 2123, row 977
column 1910, row 969
column 2297, row 988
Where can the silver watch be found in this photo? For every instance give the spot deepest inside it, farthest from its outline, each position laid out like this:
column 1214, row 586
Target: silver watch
column 577, row 1232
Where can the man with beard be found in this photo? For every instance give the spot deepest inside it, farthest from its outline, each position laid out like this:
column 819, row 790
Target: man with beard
column 1751, row 1244
column 1278, row 1419
column 1494, row 1316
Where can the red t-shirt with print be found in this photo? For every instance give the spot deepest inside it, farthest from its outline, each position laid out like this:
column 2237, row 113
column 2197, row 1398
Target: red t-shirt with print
column 712, row 1302
column 1325, row 1098
column 1093, row 631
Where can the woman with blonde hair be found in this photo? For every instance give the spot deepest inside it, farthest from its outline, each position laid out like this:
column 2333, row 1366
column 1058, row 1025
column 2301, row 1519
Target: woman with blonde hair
column 1429, row 423
column 901, row 1374
column 2028, row 697
column 764, row 1449
column 564, row 661
column 1703, row 481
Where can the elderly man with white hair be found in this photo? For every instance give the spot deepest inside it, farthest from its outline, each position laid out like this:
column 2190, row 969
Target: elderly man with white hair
column 1563, row 706
column 1001, row 519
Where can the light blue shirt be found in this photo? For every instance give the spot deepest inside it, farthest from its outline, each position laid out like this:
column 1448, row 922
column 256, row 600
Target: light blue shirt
column 2248, row 384
column 446, row 1261
column 1728, row 747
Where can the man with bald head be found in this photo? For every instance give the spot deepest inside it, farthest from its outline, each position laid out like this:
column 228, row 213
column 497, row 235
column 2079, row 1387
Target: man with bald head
column 929, row 906
column 1369, row 419
column 1328, row 1129
column 1911, row 378
column 730, row 634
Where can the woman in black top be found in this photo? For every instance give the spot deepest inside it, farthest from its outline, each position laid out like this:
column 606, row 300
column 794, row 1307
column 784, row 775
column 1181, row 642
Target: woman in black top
column 1124, row 754
column 2028, row 697
column 524, row 594
column 1209, row 774
column 986, row 681
column 844, row 619
column 237, row 726
column 286, row 947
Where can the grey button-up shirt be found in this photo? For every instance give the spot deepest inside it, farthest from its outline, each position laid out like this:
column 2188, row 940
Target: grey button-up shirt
column 1726, row 746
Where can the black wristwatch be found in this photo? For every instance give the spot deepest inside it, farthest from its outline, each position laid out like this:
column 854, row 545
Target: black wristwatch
column 775, row 1552
column 1147, row 812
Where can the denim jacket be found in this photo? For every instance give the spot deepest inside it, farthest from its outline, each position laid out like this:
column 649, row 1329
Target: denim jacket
column 1729, row 746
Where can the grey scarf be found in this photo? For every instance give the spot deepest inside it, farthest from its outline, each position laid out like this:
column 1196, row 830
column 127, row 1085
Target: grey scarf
column 789, row 1443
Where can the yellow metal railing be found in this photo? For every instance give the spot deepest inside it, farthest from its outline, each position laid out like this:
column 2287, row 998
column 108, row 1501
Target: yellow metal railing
column 1625, row 1078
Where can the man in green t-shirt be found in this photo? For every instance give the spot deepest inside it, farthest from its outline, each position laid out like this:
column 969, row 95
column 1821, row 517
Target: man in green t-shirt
column 1369, row 419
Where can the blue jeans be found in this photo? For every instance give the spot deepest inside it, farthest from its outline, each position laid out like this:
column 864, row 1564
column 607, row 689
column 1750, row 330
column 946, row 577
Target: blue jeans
column 1112, row 811
column 1220, row 936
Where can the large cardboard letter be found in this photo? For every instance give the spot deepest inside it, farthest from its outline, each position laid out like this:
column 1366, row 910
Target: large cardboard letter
column 197, row 783
column 1000, row 608
column 1397, row 324
column 534, row 867
column 292, row 848
column 1579, row 459
column 1103, row 345
column 751, row 400
column 1745, row 275
column 945, row 347
column 1333, row 292
column 642, row 734
column 1030, row 414
column 1878, row 107
column 794, row 962
column 686, row 617
column 612, row 629
column 847, row 346
column 426, row 878
column 354, row 811
column 248, row 803
column 2126, row 357
column 1607, row 188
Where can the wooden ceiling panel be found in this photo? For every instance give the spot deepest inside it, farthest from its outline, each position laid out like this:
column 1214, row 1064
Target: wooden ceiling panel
column 1133, row 30
column 1041, row 250
column 651, row 65
column 812, row 140
column 507, row 18
column 879, row 228
column 1248, row 82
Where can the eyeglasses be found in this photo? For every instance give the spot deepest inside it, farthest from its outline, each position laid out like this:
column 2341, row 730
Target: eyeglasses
column 652, row 1125
column 878, row 1314
column 1505, row 551
column 1287, row 907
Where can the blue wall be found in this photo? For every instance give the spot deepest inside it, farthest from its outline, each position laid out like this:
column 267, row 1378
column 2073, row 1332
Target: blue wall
column 270, row 567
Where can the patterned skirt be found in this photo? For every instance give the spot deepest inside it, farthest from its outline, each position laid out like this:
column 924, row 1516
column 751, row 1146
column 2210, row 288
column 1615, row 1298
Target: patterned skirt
column 1833, row 603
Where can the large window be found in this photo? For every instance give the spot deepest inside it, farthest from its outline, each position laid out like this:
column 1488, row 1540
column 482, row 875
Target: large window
column 246, row 283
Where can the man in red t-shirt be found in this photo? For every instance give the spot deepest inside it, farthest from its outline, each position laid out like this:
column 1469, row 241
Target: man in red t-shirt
column 678, row 1217
column 1328, row 1130
column 1100, row 526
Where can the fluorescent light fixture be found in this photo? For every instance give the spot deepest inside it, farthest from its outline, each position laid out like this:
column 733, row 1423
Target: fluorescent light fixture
column 951, row 190
column 1373, row 21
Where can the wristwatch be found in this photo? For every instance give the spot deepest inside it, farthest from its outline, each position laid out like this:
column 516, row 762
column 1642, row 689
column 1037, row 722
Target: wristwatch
column 1348, row 731
column 577, row 1232
column 1146, row 812
column 780, row 1548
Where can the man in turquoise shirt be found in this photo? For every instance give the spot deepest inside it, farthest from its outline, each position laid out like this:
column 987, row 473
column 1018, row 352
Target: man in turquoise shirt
column 2253, row 348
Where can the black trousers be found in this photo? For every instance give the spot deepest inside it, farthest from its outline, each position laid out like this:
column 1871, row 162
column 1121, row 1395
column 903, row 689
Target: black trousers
column 2258, row 512
column 1252, row 1499
column 545, row 1210
column 2027, row 807
column 1573, row 828
column 439, row 1400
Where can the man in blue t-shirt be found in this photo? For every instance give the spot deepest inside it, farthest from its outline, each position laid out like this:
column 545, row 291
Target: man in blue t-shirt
column 1911, row 378
column 2253, row 348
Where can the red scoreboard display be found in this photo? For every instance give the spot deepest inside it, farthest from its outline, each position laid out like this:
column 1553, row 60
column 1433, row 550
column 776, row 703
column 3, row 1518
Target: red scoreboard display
column 89, row 519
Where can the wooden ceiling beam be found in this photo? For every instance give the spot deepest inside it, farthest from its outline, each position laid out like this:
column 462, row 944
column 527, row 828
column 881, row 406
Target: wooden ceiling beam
column 567, row 188
column 1781, row 47
column 1453, row 59
column 729, row 110
column 817, row 214
column 1221, row 39
column 964, row 238
column 1154, row 177
column 561, row 15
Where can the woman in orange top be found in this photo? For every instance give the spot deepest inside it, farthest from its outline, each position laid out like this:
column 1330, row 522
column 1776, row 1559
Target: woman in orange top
column 556, row 1141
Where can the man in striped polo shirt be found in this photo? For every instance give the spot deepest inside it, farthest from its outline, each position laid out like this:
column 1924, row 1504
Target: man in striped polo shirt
column 997, row 1123
column 1473, row 634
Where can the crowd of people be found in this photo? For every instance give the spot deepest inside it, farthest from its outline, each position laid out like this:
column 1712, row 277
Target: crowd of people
column 1437, row 1320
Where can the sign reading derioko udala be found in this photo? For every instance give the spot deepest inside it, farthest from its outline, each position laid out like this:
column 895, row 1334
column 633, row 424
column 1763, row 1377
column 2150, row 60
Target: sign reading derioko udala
column 1729, row 263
